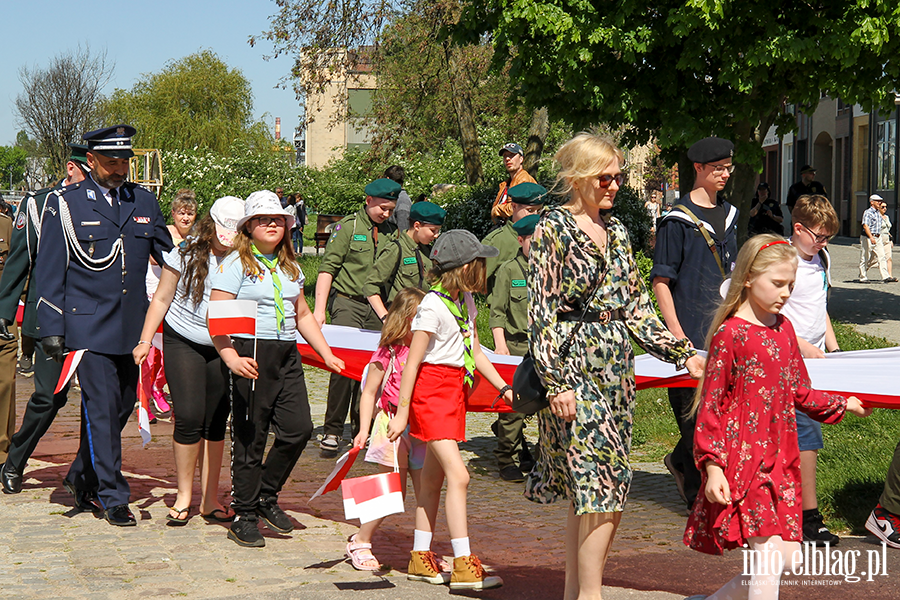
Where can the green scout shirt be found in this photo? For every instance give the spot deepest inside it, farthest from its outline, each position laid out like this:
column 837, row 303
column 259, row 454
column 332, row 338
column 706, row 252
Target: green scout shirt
column 20, row 261
column 351, row 250
column 398, row 266
column 509, row 301
column 506, row 241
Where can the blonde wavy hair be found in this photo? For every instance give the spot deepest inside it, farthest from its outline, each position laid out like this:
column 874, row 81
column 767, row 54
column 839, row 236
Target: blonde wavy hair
column 398, row 322
column 585, row 155
column 284, row 252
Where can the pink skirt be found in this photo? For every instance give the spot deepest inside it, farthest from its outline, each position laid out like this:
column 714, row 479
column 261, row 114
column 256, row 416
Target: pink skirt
column 438, row 408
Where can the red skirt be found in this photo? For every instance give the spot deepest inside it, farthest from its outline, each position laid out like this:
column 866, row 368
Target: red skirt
column 438, row 406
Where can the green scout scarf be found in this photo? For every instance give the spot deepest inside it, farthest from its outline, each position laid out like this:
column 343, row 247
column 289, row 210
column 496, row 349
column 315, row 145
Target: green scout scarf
column 461, row 312
column 276, row 281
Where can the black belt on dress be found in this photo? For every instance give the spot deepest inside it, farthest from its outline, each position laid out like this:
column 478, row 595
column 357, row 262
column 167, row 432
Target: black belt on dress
column 361, row 299
column 593, row 316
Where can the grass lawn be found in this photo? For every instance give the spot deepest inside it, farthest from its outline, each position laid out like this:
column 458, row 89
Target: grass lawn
column 852, row 465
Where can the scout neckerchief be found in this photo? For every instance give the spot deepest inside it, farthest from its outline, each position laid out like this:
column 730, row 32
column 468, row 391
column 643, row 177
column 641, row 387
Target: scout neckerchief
column 461, row 312
column 271, row 265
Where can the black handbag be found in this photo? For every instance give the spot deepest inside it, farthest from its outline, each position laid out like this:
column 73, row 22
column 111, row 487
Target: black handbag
column 529, row 393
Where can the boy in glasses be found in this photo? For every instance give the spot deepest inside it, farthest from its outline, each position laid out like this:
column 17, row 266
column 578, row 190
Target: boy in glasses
column 814, row 222
column 349, row 257
column 696, row 246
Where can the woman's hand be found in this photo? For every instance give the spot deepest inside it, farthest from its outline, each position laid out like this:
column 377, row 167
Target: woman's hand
column 334, row 363
column 396, row 427
column 563, row 405
column 508, row 397
column 717, row 489
column 243, row 366
column 140, row 353
column 855, row 406
column 695, row 365
column 360, row 440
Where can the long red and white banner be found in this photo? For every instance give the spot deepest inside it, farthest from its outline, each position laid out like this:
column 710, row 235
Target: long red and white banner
column 867, row 374
column 230, row 317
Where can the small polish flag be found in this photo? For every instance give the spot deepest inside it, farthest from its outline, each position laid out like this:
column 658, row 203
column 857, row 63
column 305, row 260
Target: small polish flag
column 70, row 365
column 143, row 407
column 229, row 317
column 372, row 497
column 20, row 313
column 341, row 468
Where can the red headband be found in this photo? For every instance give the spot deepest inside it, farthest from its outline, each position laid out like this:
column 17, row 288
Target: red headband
column 764, row 246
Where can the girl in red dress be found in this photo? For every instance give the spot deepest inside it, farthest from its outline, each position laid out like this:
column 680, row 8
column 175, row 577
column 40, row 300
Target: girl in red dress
column 745, row 443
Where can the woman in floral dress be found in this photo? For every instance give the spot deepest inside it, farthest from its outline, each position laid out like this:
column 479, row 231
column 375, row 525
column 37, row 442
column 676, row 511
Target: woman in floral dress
column 585, row 433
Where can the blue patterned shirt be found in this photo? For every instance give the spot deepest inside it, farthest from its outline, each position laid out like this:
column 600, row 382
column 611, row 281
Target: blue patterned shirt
column 872, row 218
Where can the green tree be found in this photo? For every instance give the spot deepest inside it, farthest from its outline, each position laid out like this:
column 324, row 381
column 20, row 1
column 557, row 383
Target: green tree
column 13, row 161
column 680, row 70
column 196, row 101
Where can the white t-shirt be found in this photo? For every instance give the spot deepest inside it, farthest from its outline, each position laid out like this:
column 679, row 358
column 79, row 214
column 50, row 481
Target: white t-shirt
column 230, row 277
column 184, row 318
column 807, row 308
column 446, row 346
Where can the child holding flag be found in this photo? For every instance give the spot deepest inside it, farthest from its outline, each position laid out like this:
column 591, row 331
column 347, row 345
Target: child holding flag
column 382, row 389
column 432, row 400
column 262, row 268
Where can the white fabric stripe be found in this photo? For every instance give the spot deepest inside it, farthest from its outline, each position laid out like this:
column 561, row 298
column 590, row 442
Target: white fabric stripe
column 224, row 309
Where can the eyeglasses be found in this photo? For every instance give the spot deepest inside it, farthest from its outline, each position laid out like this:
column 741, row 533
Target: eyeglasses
column 606, row 180
column 721, row 168
column 266, row 221
column 820, row 239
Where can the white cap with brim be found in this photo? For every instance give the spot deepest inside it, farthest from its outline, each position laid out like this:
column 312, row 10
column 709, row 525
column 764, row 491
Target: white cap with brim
column 264, row 203
column 875, row 198
column 226, row 213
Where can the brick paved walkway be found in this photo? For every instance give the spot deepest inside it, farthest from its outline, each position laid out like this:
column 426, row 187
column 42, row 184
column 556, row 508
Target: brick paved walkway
column 48, row 551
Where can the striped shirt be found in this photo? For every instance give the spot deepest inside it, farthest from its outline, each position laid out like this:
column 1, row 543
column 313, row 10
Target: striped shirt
column 872, row 218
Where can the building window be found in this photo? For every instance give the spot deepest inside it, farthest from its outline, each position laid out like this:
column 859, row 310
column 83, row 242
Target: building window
column 885, row 145
column 360, row 121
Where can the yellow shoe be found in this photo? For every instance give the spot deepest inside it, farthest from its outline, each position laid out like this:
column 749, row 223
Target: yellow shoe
column 468, row 574
column 423, row 566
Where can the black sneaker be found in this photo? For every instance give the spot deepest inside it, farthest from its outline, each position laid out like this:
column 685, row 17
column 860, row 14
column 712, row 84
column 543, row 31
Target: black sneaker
column 274, row 518
column 244, row 531
column 814, row 529
column 885, row 525
column 512, row 473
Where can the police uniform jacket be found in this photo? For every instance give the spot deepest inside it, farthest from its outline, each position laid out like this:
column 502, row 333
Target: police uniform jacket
column 351, row 251
column 101, row 310
column 20, row 261
column 400, row 263
column 509, row 300
column 801, row 189
column 683, row 256
column 505, row 240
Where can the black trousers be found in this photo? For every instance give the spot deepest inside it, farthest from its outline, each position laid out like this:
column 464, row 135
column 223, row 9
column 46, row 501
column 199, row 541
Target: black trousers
column 40, row 410
column 683, row 455
column 108, row 395
column 279, row 401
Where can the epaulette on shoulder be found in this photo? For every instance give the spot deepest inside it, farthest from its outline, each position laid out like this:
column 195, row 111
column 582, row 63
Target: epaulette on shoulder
column 69, row 188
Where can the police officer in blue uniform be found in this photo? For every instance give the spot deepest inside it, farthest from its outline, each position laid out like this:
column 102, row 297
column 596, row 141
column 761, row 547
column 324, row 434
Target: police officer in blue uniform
column 43, row 404
column 96, row 241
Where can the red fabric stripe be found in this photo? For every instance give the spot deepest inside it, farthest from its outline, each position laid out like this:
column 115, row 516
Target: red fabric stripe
column 232, row 325
column 362, row 489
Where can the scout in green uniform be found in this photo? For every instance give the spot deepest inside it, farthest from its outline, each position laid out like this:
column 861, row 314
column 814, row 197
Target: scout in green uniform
column 349, row 256
column 404, row 262
column 527, row 199
column 509, row 325
column 8, row 351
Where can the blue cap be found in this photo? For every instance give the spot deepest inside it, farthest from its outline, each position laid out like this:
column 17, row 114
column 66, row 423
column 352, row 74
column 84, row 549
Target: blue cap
column 511, row 147
column 113, row 142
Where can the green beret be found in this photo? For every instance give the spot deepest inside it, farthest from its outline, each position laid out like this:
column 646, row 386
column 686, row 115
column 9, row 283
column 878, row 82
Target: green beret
column 384, row 188
column 527, row 193
column 79, row 153
column 525, row 226
column 427, row 212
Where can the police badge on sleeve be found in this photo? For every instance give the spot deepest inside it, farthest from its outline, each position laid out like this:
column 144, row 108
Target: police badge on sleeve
column 20, row 220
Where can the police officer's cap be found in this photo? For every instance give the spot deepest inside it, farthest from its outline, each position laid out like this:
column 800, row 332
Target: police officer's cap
column 525, row 226
column 527, row 193
column 112, row 142
column 79, row 153
column 427, row 212
column 710, row 150
column 384, row 188
column 807, row 169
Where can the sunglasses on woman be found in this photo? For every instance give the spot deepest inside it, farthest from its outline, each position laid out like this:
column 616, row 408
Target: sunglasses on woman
column 606, row 180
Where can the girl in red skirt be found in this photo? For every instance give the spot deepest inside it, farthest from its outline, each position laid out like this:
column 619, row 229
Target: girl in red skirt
column 432, row 400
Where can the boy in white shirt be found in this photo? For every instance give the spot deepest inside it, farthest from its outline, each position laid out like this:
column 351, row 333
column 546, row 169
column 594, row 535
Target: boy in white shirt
column 814, row 223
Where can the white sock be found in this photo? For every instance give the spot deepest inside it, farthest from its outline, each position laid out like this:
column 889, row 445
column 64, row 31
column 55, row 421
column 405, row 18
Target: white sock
column 421, row 541
column 460, row 547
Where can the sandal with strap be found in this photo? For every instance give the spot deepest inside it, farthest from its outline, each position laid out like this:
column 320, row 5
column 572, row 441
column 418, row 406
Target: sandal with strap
column 359, row 553
column 176, row 520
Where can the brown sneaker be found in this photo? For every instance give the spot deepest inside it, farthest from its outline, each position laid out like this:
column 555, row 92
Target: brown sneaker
column 423, row 566
column 468, row 574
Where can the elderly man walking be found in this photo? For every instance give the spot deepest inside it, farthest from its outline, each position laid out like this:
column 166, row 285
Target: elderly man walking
column 870, row 242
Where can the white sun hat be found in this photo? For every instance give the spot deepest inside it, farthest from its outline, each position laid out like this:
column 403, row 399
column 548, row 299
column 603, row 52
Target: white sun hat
column 263, row 203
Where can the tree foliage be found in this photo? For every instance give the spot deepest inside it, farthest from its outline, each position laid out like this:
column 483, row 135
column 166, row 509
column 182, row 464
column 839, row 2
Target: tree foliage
column 13, row 164
column 59, row 103
column 680, row 70
column 196, row 101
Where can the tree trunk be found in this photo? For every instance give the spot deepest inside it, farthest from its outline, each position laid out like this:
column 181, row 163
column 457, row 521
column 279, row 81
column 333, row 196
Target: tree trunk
column 537, row 135
column 465, row 115
column 742, row 183
column 686, row 174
